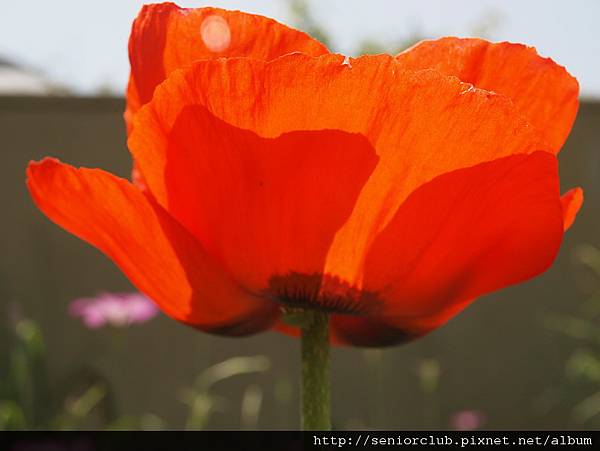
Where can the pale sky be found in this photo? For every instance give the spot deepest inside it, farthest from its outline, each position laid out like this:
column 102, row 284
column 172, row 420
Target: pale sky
column 83, row 43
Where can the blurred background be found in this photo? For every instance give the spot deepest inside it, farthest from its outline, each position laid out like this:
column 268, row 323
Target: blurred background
column 525, row 358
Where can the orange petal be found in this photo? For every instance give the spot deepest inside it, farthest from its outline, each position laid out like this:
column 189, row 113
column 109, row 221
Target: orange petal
column 421, row 124
column 463, row 235
column 166, row 37
column 542, row 91
column 159, row 257
column 267, row 208
column 571, row 201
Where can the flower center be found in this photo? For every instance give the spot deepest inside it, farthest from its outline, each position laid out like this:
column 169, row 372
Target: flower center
column 320, row 292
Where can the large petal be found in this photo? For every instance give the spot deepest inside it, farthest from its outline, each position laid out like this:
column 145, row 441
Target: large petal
column 267, row 208
column 397, row 328
column 421, row 124
column 464, row 234
column 544, row 92
column 159, row 257
column 166, row 37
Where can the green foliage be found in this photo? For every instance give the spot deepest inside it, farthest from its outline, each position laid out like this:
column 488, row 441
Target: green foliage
column 12, row 417
column 29, row 402
column 583, row 366
column 203, row 402
column 24, row 394
column 429, row 375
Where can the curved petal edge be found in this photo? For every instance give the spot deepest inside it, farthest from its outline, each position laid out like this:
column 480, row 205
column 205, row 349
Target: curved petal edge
column 157, row 255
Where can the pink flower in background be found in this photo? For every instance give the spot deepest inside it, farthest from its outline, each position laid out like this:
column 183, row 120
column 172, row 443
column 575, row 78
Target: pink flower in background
column 114, row 309
column 467, row 420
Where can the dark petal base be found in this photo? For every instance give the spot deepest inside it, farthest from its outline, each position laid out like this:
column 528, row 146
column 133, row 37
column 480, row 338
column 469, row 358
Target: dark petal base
column 320, row 292
column 259, row 321
column 370, row 332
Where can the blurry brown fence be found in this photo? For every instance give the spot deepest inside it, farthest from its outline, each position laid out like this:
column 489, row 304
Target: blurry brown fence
column 497, row 357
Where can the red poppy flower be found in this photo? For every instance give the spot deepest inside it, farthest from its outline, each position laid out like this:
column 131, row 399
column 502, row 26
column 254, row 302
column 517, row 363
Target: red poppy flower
column 388, row 191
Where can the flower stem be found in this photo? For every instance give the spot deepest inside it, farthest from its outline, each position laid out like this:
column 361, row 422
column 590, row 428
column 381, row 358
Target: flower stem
column 316, row 398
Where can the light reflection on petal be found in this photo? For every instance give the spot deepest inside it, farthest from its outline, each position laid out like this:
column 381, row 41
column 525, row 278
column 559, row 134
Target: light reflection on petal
column 215, row 33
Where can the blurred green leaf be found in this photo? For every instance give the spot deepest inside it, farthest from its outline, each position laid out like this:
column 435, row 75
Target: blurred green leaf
column 201, row 406
column 83, row 405
column 584, row 364
column 234, row 366
column 578, row 328
column 429, row 375
column 11, row 417
column 588, row 408
column 590, row 256
column 27, row 378
column 200, row 399
column 250, row 409
column 78, row 408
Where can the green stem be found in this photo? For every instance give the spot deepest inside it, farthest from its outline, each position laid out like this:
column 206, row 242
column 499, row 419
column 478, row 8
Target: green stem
column 316, row 398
